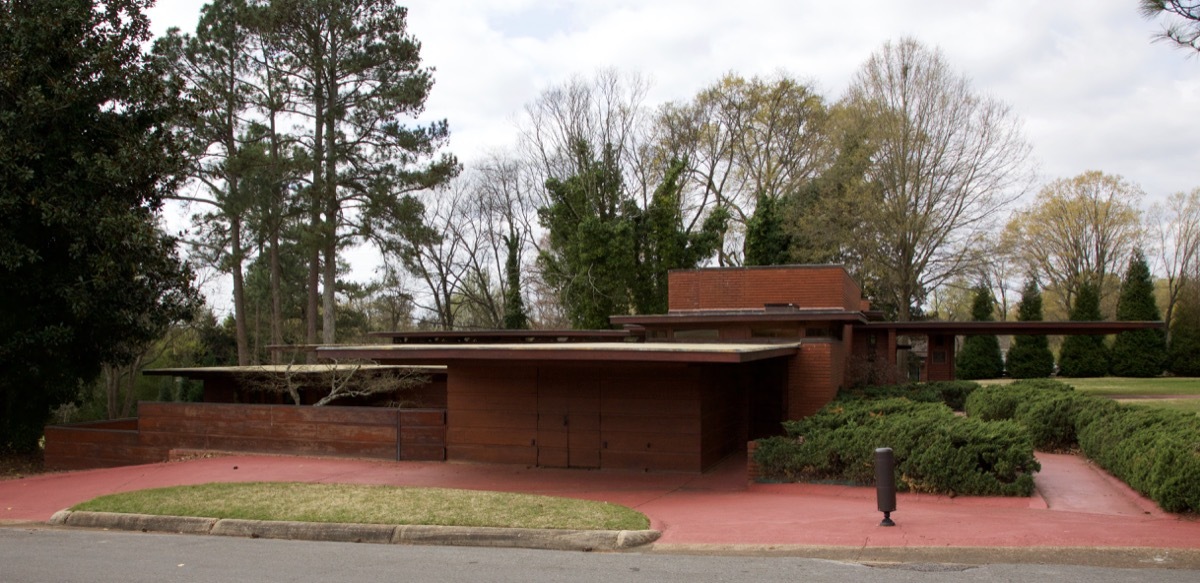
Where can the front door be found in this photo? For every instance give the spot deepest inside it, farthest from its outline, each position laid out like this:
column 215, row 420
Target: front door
column 568, row 433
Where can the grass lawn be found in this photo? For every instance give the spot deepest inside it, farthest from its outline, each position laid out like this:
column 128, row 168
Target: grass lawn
column 371, row 505
column 1128, row 386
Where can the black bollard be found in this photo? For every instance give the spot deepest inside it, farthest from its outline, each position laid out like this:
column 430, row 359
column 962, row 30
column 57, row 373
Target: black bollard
column 885, row 483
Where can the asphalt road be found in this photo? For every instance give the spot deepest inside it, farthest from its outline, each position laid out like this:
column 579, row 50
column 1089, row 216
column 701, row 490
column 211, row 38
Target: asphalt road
column 60, row 556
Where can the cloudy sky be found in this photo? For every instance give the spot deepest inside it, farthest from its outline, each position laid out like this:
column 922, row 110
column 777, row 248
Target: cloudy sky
column 1093, row 90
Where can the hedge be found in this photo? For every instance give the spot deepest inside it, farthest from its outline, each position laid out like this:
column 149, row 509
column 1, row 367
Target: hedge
column 952, row 393
column 936, row 451
column 1155, row 451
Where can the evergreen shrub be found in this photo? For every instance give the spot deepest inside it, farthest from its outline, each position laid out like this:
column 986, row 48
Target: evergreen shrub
column 936, row 451
column 1155, row 451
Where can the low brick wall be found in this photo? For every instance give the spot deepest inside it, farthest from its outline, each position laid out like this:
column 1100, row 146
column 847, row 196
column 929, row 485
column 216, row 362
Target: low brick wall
column 359, row 432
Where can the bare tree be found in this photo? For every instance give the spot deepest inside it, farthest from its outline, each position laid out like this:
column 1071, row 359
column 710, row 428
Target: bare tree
column 1175, row 228
column 946, row 159
column 335, row 380
column 1079, row 230
column 744, row 138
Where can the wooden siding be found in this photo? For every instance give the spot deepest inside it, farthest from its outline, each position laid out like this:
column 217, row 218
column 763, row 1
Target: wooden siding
column 361, row 432
column 827, row 287
column 651, row 417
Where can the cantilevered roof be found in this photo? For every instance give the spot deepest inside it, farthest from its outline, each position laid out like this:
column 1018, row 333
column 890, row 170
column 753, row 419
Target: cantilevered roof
column 579, row 351
column 298, row 369
column 750, row 316
column 1004, row 328
column 504, row 336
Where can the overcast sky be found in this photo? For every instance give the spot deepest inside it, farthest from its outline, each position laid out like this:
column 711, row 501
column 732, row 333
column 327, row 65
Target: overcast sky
column 1092, row 88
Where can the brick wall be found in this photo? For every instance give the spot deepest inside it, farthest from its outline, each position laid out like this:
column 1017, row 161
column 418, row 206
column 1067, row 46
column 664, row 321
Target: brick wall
column 827, row 287
column 814, row 376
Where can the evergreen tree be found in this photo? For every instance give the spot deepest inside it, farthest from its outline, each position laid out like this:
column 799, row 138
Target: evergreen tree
column 87, row 280
column 662, row 242
column 767, row 243
column 606, row 256
column 1183, row 357
column 980, row 357
column 514, row 306
column 1138, row 353
column 1084, row 355
column 1030, row 356
column 590, row 256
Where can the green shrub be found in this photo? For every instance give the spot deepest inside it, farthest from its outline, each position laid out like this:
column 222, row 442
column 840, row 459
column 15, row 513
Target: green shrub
column 952, row 393
column 936, row 451
column 1155, row 451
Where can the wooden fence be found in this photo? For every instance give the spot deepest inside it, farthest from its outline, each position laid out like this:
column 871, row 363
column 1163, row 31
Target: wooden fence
column 359, row 432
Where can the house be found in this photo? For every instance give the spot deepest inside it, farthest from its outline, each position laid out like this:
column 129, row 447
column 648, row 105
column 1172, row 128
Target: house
column 739, row 351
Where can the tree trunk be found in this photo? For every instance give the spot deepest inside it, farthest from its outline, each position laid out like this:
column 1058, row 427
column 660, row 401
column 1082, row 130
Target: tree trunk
column 239, row 291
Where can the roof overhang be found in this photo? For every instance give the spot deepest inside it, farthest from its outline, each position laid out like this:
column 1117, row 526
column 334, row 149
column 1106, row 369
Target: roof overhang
column 209, row 372
column 740, row 317
column 565, row 352
column 1017, row 328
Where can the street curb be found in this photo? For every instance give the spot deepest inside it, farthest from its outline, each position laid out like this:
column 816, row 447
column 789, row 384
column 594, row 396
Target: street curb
column 527, row 538
column 1105, row 557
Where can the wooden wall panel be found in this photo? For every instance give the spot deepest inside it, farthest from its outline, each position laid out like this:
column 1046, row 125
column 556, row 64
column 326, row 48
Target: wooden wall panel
column 370, row 432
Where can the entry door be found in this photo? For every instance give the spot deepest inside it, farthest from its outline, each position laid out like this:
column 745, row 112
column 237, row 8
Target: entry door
column 568, row 421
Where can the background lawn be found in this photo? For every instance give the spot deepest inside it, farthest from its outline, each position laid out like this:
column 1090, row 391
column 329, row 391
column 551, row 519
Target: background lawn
column 1130, row 387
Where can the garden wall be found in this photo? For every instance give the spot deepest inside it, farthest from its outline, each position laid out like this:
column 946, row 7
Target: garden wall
column 359, row 432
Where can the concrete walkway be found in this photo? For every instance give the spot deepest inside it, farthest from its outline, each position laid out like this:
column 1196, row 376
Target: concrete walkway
column 1078, row 505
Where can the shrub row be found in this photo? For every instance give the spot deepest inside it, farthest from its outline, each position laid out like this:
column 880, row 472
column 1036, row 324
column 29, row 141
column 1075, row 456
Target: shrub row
column 1155, row 451
column 936, row 451
column 952, row 393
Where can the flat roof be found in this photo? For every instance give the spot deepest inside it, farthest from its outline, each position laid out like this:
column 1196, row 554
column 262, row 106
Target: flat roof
column 748, row 316
column 505, row 336
column 301, row 369
column 576, row 351
column 1005, row 328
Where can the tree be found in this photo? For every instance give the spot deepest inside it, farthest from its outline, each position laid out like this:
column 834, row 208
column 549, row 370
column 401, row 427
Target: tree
column 980, row 357
column 767, row 241
column 945, row 160
column 1184, row 29
column 213, row 66
column 514, row 306
column 86, row 157
column 1176, row 229
column 591, row 253
column 662, row 242
column 1084, row 355
column 1078, row 229
column 1138, row 353
column 1029, row 356
column 355, row 73
column 745, row 140
column 1183, row 356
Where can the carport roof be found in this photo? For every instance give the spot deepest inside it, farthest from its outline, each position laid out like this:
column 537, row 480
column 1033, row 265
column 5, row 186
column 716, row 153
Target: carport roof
column 298, row 369
column 581, row 351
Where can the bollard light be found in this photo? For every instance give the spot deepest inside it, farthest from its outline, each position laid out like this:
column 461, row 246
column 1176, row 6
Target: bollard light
column 885, row 483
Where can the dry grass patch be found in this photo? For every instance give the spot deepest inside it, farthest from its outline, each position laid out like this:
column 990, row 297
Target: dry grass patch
column 371, row 505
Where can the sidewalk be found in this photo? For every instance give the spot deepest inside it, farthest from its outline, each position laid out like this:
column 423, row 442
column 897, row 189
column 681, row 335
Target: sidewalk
column 1078, row 505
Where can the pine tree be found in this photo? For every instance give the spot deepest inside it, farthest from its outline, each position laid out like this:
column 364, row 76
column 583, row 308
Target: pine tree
column 1138, row 353
column 1183, row 357
column 1030, row 356
column 1084, row 356
column 980, row 357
